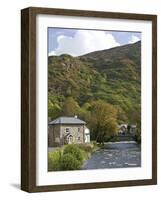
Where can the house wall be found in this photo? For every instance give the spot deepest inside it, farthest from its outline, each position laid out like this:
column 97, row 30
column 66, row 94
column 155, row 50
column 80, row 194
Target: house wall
column 78, row 137
column 56, row 134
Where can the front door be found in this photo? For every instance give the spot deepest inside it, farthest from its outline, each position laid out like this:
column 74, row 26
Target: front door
column 70, row 139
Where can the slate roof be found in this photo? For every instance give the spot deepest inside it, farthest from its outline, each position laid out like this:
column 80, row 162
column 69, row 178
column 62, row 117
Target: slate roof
column 67, row 120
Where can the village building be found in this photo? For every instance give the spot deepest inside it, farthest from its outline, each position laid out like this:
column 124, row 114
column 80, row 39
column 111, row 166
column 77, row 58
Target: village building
column 125, row 129
column 67, row 130
column 133, row 128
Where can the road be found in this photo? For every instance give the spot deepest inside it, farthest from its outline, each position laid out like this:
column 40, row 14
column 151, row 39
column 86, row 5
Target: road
column 115, row 155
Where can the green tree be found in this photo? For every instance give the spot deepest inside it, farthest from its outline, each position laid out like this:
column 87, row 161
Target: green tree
column 134, row 116
column 121, row 115
column 103, row 120
column 54, row 107
column 85, row 113
column 70, row 107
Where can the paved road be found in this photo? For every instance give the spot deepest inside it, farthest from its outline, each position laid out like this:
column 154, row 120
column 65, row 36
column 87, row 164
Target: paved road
column 115, row 155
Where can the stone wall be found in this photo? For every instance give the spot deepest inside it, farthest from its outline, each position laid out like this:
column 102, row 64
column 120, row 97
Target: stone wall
column 57, row 135
column 54, row 136
column 77, row 131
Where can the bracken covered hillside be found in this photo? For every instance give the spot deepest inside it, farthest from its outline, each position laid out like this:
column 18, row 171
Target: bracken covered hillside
column 112, row 75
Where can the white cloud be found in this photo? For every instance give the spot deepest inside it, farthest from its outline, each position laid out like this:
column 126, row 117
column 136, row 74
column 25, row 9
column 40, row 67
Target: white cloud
column 83, row 42
column 52, row 53
column 134, row 39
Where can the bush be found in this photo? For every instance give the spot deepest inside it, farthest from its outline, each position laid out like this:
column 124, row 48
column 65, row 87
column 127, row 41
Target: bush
column 74, row 151
column 94, row 143
column 54, row 160
column 69, row 162
column 86, row 147
column 70, row 157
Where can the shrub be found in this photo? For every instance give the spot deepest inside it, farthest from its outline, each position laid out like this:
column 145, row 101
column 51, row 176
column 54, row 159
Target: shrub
column 74, row 151
column 69, row 162
column 94, row 143
column 86, row 147
column 54, row 160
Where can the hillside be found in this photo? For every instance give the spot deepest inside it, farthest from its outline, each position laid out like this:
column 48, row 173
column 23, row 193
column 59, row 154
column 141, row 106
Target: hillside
column 112, row 75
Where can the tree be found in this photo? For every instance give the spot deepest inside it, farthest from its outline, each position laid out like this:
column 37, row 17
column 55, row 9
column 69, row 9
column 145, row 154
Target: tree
column 121, row 115
column 54, row 110
column 54, row 107
column 103, row 120
column 85, row 113
column 70, row 107
column 134, row 116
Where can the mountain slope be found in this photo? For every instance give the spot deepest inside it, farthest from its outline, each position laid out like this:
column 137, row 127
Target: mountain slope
column 113, row 75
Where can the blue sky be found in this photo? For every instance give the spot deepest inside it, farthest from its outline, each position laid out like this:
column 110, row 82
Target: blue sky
column 77, row 42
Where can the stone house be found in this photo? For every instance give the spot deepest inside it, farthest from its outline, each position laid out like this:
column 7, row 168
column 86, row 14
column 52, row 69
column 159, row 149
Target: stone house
column 67, row 130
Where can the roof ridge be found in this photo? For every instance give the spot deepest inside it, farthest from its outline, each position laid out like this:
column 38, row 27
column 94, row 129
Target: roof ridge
column 67, row 120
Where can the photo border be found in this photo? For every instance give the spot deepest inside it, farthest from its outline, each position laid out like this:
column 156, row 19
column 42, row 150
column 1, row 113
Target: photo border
column 28, row 98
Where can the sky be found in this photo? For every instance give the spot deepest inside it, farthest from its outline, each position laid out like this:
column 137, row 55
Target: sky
column 77, row 42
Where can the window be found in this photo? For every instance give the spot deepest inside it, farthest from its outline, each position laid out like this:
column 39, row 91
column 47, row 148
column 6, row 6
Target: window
column 78, row 129
column 79, row 138
column 67, row 130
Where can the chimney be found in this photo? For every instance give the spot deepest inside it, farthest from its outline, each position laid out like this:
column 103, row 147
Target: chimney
column 75, row 116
